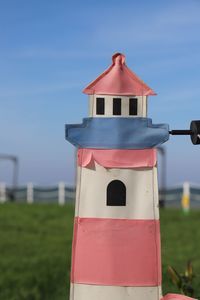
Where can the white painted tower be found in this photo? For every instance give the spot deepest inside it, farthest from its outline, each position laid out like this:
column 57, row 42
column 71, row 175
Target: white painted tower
column 116, row 244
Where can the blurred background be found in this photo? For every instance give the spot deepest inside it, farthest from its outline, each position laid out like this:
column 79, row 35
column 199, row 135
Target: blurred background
column 49, row 51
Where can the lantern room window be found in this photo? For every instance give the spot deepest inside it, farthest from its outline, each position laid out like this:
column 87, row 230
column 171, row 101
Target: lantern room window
column 100, row 106
column 116, row 193
column 133, row 106
column 117, row 106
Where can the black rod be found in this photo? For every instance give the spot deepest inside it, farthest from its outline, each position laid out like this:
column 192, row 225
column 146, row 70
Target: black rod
column 181, row 132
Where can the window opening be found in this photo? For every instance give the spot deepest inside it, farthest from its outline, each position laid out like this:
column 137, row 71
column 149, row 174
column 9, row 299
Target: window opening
column 117, row 107
column 133, row 106
column 116, row 193
column 100, row 106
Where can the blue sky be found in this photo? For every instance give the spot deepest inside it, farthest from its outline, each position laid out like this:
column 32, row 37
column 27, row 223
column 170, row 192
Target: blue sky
column 50, row 50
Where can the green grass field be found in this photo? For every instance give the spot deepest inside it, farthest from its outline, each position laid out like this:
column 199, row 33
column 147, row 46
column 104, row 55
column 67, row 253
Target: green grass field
column 35, row 249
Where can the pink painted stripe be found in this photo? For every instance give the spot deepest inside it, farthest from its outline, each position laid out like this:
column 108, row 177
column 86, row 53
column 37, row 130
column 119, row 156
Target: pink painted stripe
column 176, row 297
column 117, row 158
column 117, row 252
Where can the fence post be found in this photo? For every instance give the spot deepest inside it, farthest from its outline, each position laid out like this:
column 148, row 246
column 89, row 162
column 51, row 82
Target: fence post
column 61, row 193
column 185, row 202
column 30, row 193
column 2, row 192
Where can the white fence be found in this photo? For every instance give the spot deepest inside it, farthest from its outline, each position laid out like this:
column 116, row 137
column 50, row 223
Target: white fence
column 30, row 194
column 63, row 193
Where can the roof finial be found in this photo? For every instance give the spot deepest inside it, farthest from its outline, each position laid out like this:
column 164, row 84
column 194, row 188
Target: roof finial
column 118, row 59
column 118, row 79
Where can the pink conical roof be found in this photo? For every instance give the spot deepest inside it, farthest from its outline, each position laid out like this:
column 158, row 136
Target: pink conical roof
column 118, row 79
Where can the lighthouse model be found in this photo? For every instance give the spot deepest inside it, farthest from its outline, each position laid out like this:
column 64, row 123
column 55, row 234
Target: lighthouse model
column 116, row 242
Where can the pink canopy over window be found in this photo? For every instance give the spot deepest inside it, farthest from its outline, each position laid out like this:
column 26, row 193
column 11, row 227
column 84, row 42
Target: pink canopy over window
column 115, row 158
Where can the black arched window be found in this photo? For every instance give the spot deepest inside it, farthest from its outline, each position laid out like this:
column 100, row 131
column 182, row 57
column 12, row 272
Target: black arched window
column 116, row 193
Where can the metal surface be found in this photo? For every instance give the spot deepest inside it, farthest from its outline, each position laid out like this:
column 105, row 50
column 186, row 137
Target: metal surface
column 181, row 132
column 15, row 161
column 162, row 152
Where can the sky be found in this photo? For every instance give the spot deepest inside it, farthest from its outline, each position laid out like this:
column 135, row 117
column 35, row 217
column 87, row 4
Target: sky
column 50, row 50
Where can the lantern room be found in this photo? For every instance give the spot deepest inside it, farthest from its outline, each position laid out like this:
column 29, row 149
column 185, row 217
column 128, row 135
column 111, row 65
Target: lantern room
column 118, row 92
